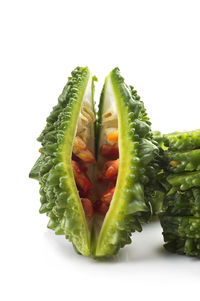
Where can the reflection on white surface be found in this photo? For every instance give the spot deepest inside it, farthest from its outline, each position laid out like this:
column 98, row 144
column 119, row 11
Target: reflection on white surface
column 146, row 249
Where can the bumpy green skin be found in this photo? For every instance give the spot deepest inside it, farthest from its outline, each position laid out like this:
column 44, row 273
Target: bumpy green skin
column 181, row 208
column 155, row 194
column 178, row 141
column 59, row 196
column 183, row 245
column 129, row 206
column 158, row 137
column 185, row 203
column 184, row 181
column 186, row 161
column 153, row 191
column 181, row 226
column 156, row 188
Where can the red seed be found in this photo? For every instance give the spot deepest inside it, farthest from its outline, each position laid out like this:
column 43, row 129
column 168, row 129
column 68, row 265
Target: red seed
column 81, row 151
column 107, row 196
column 109, row 151
column 87, row 207
column 81, row 178
column 110, row 171
column 101, row 207
column 83, row 165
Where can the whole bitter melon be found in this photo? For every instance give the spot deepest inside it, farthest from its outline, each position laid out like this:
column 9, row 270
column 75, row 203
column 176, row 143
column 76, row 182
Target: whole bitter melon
column 180, row 218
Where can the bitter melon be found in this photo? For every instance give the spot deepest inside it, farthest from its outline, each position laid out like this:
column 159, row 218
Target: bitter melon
column 97, row 203
column 180, row 217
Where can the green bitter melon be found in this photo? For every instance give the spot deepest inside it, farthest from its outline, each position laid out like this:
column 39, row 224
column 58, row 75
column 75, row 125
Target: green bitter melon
column 180, row 218
column 61, row 170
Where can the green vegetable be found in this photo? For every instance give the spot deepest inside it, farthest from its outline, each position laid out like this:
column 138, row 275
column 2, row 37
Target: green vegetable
column 184, row 181
column 136, row 181
column 158, row 137
column 59, row 195
column 137, row 150
column 181, row 226
column 185, row 203
column 183, row 161
column 180, row 217
column 178, row 141
column 180, row 245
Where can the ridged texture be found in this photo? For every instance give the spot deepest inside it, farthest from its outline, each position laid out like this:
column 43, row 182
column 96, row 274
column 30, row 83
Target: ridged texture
column 138, row 190
column 180, row 218
column 180, row 245
column 149, row 153
column 178, row 141
column 185, row 203
column 183, row 181
column 59, row 196
column 181, row 226
column 185, row 161
column 130, row 205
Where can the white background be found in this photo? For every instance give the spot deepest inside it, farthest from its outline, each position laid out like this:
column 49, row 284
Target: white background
column 157, row 47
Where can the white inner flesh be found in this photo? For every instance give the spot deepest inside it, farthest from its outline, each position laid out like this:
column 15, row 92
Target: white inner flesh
column 109, row 123
column 85, row 130
column 85, row 125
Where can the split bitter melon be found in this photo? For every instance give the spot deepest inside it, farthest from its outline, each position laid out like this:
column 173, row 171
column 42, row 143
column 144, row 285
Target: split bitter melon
column 180, row 218
column 97, row 171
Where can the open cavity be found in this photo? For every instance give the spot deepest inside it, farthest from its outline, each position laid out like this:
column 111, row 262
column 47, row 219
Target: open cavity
column 96, row 177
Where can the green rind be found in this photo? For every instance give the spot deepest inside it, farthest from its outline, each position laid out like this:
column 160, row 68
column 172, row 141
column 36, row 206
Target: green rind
column 150, row 158
column 180, row 216
column 154, row 192
column 59, row 196
column 155, row 198
column 183, row 181
column 137, row 150
column 185, row 203
column 181, row 226
column 35, row 171
column 158, row 137
column 180, row 141
column 94, row 79
column 186, row 161
column 183, row 245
